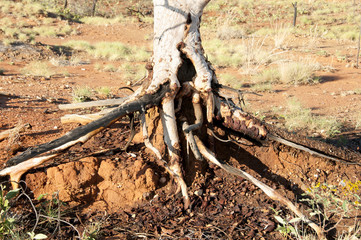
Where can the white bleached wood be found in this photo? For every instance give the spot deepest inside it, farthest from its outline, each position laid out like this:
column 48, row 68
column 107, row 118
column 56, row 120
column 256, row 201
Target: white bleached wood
column 176, row 29
column 171, row 139
column 100, row 103
column 16, row 130
column 15, row 172
column 176, row 24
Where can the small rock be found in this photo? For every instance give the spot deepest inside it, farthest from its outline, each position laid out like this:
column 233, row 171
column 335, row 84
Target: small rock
column 162, row 180
column 199, row 192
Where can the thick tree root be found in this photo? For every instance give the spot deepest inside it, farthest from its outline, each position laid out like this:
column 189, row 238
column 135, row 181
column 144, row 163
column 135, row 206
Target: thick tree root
column 234, row 118
column 175, row 174
column 274, row 195
column 319, row 148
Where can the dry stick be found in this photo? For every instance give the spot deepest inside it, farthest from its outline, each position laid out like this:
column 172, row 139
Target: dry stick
column 358, row 46
column 82, row 119
column 100, row 103
column 93, row 7
column 86, row 118
column 266, row 189
column 132, row 132
column 15, row 130
column 295, row 13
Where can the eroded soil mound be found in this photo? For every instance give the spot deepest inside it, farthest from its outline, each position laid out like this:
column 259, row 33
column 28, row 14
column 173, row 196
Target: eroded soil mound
column 99, row 184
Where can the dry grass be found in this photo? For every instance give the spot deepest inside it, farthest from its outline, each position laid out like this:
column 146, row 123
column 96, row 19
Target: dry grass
column 230, row 80
column 111, row 50
column 299, row 73
column 281, row 33
column 299, row 118
column 247, row 54
column 39, row 69
column 82, row 94
column 132, row 73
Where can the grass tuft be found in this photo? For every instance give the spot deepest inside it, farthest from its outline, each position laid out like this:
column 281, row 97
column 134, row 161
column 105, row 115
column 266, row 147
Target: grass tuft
column 82, row 94
column 38, row 68
column 299, row 73
column 104, row 92
column 111, row 50
column 299, row 118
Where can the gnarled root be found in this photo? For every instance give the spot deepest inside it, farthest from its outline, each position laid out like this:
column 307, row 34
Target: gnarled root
column 266, row 189
column 171, row 139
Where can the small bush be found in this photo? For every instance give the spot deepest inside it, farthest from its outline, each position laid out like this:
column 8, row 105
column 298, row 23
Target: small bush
column 104, row 92
column 269, row 75
column 110, row 68
column 101, row 21
column 230, row 80
column 132, row 72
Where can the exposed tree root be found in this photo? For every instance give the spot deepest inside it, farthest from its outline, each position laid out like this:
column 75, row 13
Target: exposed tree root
column 273, row 194
column 313, row 146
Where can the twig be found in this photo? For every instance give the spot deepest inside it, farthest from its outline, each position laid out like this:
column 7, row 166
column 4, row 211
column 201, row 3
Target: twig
column 132, row 132
column 68, row 223
column 295, row 13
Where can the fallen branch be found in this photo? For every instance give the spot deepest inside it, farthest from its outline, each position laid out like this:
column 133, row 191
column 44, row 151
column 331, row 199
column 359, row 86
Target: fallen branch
column 84, row 119
column 306, row 149
column 33, row 157
column 100, row 103
column 274, row 195
column 15, row 130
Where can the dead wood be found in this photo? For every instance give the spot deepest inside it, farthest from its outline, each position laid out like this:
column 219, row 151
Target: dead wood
column 16, row 130
column 234, row 118
column 320, row 148
column 100, row 103
column 82, row 119
column 86, row 118
column 83, row 133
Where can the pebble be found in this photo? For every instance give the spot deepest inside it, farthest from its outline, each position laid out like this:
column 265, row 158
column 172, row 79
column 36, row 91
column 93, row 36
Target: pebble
column 162, row 180
column 199, row 192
